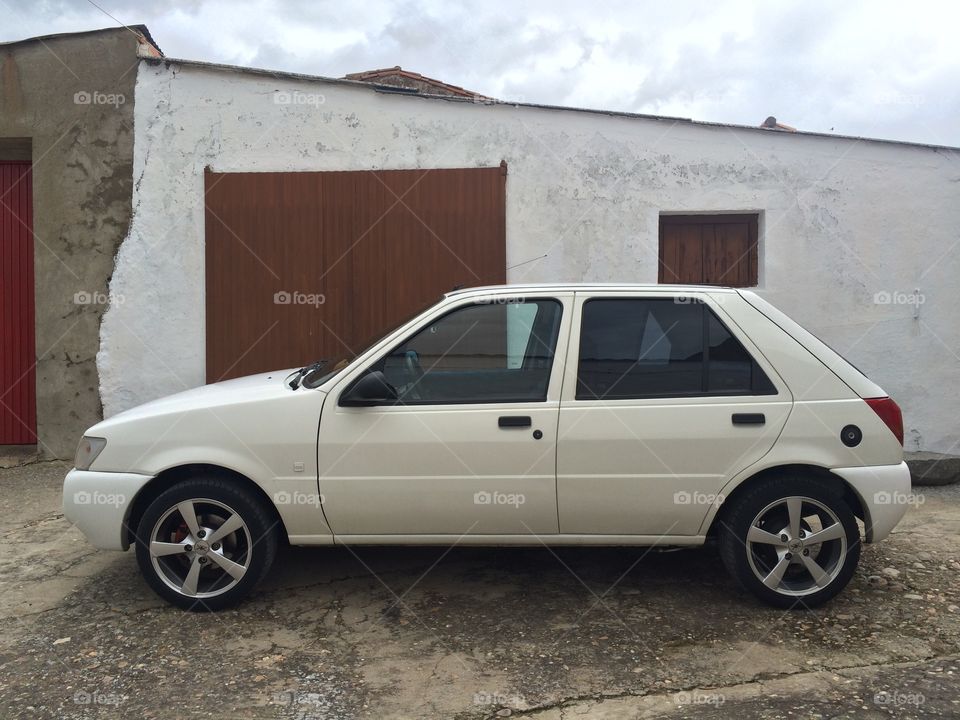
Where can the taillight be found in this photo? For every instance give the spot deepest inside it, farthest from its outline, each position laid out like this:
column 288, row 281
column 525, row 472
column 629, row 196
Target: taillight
column 888, row 411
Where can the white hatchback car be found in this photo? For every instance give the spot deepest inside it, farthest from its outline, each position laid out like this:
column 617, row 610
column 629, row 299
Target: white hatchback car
column 516, row 415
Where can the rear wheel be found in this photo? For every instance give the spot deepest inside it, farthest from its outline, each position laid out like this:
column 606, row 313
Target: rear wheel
column 790, row 541
column 205, row 543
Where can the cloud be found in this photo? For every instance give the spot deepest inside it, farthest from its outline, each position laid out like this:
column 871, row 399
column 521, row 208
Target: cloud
column 859, row 68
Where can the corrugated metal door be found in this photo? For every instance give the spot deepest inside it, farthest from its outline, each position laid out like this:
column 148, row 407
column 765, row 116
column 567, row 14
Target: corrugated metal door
column 18, row 403
column 309, row 265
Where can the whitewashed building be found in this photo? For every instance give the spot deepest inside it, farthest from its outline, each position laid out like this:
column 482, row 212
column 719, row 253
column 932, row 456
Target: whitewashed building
column 857, row 239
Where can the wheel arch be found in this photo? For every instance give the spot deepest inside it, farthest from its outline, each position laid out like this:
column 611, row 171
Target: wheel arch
column 173, row 475
column 849, row 495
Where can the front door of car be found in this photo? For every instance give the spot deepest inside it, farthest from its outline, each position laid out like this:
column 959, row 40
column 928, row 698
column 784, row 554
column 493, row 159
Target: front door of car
column 664, row 401
column 469, row 445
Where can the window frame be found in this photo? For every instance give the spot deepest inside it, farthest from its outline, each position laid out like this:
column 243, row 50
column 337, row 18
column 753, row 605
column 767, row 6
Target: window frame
column 753, row 258
column 559, row 349
column 762, row 384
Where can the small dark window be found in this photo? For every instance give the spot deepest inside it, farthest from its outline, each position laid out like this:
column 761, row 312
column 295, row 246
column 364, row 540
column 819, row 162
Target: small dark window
column 663, row 347
column 731, row 367
column 497, row 352
column 709, row 250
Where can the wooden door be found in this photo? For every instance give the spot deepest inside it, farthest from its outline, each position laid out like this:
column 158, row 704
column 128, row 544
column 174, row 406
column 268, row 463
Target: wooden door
column 309, row 265
column 708, row 250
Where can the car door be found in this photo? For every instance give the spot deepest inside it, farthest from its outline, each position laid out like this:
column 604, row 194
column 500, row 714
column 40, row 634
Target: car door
column 469, row 447
column 664, row 401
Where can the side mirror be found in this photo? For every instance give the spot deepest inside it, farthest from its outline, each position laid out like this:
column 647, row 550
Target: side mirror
column 371, row 389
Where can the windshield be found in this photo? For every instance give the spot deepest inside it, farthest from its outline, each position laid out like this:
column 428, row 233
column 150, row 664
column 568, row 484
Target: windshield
column 335, row 365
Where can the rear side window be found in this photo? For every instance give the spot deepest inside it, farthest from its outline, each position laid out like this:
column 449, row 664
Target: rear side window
column 661, row 347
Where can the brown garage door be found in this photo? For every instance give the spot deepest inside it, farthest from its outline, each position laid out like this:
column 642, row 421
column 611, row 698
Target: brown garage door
column 708, row 250
column 302, row 266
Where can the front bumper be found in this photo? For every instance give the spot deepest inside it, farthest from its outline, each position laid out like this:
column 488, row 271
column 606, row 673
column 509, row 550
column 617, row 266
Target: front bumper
column 99, row 504
column 884, row 492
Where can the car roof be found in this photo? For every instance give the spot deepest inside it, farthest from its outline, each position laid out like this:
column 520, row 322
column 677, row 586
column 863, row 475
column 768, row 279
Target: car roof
column 589, row 287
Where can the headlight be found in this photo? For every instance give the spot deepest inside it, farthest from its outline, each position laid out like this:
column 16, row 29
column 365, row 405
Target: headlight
column 87, row 452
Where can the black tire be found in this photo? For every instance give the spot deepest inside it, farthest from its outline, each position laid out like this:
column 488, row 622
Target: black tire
column 747, row 561
column 252, row 546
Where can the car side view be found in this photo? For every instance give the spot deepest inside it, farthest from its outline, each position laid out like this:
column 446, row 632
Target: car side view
column 516, row 415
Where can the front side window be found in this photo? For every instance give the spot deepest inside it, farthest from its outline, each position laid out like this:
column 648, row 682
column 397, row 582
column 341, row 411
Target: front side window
column 661, row 347
column 482, row 353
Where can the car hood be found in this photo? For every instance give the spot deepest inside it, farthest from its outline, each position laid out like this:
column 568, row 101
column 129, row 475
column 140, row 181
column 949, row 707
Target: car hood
column 244, row 390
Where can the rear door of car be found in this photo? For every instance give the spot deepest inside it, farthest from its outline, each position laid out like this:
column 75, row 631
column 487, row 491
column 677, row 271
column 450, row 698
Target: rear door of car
column 664, row 400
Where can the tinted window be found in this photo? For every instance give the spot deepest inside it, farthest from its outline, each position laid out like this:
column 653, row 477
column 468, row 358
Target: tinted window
column 498, row 352
column 660, row 348
column 633, row 348
column 731, row 367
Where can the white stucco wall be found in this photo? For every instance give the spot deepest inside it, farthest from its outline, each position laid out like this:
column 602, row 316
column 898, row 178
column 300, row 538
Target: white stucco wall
column 842, row 220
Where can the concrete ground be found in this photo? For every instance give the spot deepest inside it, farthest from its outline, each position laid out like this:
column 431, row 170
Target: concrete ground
column 472, row 633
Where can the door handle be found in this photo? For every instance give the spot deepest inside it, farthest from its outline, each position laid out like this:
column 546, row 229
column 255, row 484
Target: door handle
column 514, row 421
column 748, row 419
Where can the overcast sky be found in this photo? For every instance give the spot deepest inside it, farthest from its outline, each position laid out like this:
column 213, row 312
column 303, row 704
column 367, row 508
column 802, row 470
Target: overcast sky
column 889, row 70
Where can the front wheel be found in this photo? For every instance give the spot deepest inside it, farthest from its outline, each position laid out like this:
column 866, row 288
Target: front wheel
column 205, row 543
column 792, row 542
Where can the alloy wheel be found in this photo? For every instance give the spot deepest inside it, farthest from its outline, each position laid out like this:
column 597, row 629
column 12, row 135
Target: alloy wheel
column 201, row 548
column 796, row 546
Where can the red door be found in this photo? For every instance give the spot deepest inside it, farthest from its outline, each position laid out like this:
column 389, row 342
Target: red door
column 18, row 402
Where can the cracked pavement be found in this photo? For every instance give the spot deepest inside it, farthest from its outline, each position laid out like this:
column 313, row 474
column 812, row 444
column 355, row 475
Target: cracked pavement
column 483, row 633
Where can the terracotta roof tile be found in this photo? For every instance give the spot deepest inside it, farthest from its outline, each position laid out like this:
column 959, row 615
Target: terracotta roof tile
column 382, row 76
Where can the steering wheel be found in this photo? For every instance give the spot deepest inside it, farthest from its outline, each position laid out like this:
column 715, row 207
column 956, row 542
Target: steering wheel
column 411, row 362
